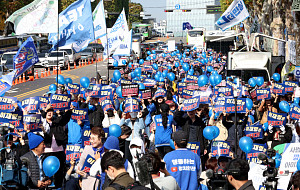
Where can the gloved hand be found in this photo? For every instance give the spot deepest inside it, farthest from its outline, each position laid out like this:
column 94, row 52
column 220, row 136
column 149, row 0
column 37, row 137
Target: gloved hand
column 282, row 128
column 270, row 128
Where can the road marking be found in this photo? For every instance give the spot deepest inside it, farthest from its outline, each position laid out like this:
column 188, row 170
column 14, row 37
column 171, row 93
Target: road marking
column 32, row 92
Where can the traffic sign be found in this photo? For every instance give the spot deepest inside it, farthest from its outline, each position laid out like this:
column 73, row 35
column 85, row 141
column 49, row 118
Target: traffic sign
column 177, row 6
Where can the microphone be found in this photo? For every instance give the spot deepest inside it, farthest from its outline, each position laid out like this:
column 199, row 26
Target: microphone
column 262, row 156
column 209, row 173
column 142, row 172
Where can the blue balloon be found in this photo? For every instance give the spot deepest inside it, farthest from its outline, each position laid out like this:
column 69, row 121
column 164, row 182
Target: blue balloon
column 219, row 59
column 181, row 61
column 60, row 79
column 252, row 118
column 172, row 144
column 217, row 79
column 252, row 82
column 165, row 73
column 161, row 79
column 113, row 80
column 159, row 73
column 51, row 165
column 171, row 76
column 124, row 62
column 117, row 74
column 296, row 100
column 184, row 56
column 246, row 144
column 153, row 52
column 119, row 91
column 141, row 61
column 265, row 126
column 212, row 80
column 52, row 87
column 164, row 55
column 284, row 106
column 149, row 52
column 130, row 65
column 136, row 79
column 214, row 72
column 209, row 133
column 235, row 81
column 206, row 60
column 116, row 63
column 141, row 86
column 276, row 77
column 202, row 80
column 156, row 77
column 132, row 75
column 203, row 54
column 185, row 67
column 176, row 64
column 154, row 56
column 191, row 72
column 211, row 58
column 179, row 56
column 114, row 130
column 155, row 66
column 249, row 103
column 85, row 82
column 260, row 81
column 217, row 131
column 68, row 81
column 209, row 69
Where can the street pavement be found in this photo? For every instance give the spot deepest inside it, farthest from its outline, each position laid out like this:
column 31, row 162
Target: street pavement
column 40, row 86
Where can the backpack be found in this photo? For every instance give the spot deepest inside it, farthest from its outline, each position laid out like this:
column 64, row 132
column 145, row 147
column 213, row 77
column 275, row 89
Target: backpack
column 135, row 186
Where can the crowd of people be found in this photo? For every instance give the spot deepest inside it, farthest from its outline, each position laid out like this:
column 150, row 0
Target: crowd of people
column 163, row 136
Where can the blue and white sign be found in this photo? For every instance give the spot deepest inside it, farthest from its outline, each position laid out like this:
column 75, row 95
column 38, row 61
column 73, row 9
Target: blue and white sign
column 177, row 6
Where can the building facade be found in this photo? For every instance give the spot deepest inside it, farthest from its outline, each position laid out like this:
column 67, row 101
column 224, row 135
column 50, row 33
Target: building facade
column 197, row 17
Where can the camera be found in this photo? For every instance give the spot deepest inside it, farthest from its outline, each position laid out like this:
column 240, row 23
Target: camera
column 271, row 173
column 218, row 180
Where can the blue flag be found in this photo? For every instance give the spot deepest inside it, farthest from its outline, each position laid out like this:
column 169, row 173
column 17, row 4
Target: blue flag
column 26, row 57
column 75, row 26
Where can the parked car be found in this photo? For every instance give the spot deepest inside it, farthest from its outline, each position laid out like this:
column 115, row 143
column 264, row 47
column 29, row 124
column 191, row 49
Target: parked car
column 153, row 45
column 136, row 38
column 7, row 55
column 42, row 59
column 164, row 48
column 98, row 47
column 88, row 53
column 60, row 56
column 170, row 34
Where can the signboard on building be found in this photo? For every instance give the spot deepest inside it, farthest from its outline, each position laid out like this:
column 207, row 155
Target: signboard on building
column 213, row 9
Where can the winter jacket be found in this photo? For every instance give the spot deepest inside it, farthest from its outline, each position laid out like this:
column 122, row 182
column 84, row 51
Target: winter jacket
column 96, row 115
column 186, row 123
column 33, row 170
column 57, row 129
column 278, row 137
column 75, row 131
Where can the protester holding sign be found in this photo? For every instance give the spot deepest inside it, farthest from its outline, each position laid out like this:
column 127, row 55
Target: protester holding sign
column 93, row 151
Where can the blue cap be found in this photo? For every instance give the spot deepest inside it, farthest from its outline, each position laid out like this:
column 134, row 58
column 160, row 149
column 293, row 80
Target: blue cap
column 34, row 140
column 112, row 142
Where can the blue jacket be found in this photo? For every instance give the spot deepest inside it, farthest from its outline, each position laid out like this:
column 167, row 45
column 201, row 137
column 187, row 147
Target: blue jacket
column 163, row 135
column 185, row 166
column 75, row 131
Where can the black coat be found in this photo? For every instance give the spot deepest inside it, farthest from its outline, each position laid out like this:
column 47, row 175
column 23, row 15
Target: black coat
column 58, row 129
column 96, row 116
column 185, row 122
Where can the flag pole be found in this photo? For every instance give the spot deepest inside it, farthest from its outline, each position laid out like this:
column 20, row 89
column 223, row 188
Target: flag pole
column 107, row 55
column 57, row 44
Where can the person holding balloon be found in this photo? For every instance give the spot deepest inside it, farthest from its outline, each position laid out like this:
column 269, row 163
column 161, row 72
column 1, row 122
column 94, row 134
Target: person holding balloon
column 35, row 157
column 96, row 151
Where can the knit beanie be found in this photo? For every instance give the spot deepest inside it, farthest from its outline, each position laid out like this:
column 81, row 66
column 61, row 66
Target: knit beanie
column 34, row 140
column 112, row 142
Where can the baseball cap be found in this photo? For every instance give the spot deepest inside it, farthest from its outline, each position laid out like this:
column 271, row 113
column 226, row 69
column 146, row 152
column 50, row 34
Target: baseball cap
column 180, row 137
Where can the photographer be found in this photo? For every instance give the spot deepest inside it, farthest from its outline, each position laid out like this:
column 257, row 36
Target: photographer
column 167, row 182
column 238, row 174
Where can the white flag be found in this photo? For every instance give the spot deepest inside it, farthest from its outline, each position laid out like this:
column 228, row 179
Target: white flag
column 116, row 35
column 40, row 16
column 99, row 21
column 235, row 13
column 125, row 46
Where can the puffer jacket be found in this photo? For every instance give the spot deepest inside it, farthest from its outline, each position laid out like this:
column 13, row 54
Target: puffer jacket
column 33, row 170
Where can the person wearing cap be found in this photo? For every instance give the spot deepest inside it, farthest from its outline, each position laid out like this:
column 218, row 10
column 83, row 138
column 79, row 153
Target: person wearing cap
column 96, row 114
column 183, row 164
column 34, row 158
column 56, row 138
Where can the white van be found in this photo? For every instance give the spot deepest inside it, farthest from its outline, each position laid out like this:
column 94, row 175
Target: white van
column 73, row 56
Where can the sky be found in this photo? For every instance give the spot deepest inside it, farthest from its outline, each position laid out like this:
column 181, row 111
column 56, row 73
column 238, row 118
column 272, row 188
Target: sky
column 157, row 12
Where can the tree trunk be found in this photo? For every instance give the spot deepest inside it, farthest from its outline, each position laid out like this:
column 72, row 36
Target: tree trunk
column 297, row 37
column 277, row 25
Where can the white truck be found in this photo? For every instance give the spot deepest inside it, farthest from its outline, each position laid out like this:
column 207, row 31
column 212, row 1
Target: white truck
column 73, row 56
column 57, row 56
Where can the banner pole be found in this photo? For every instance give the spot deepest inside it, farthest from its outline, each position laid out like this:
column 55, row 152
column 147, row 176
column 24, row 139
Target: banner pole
column 57, row 43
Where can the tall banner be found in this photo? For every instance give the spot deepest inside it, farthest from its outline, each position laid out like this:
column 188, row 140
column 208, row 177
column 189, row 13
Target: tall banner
column 75, row 26
column 235, row 13
column 40, row 16
column 25, row 57
column 116, row 35
column 124, row 47
column 99, row 21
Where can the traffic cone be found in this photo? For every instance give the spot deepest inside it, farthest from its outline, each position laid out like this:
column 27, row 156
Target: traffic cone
column 59, row 71
column 42, row 73
column 36, row 75
column 79, row 64
column 17, row 82
column 54, row 71
column 46, row 73
column 85, row 62
column 13, row 82
column 75, row 65
column 49, row 71
column 92, row 61
column 89, row 62
column 69, row 69
column 31, row 78
column 24, row 80
column 20, row 80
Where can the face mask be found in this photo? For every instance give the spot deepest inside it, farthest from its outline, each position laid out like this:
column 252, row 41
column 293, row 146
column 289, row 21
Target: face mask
column 111, row 178
column 133, row 114
column 134, row 152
